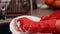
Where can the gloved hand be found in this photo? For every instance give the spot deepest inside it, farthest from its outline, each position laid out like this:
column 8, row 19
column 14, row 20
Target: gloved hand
column 43, row 26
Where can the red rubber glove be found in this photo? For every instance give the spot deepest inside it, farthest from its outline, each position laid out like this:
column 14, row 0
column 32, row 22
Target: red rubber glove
column 55, row 15
column 43, row 26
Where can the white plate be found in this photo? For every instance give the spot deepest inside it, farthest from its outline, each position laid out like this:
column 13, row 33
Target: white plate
column 34, row 18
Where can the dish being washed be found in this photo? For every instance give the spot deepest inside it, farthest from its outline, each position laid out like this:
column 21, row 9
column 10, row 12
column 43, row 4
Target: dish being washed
column 34, row 18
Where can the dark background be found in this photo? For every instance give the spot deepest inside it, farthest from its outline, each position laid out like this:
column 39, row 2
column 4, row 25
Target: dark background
column 4, row 28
